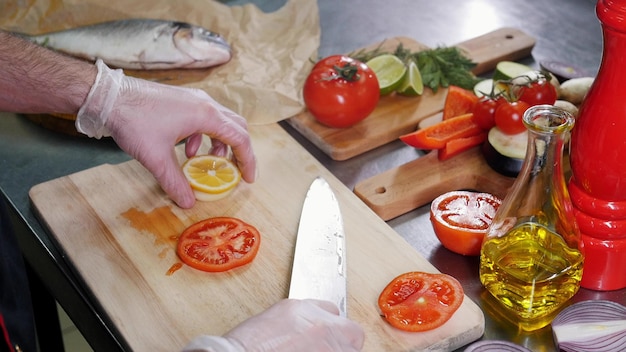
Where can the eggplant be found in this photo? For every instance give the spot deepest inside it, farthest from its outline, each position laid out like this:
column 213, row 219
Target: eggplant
column 505, row 153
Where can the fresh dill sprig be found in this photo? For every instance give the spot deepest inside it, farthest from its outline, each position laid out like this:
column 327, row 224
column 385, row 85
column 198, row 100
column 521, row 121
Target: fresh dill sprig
column 444, row 66
column 365, row 55
column 439, row 67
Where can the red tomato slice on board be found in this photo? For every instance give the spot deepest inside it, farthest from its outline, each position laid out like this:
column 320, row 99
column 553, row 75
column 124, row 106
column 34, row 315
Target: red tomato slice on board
column 218, row 244
column 459, row 145
column 459, row 101
column 436, row 136
column 461, row 219
column 418, row 301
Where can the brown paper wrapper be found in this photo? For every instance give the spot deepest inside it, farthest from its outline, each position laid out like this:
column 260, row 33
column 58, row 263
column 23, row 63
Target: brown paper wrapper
column 272, row 52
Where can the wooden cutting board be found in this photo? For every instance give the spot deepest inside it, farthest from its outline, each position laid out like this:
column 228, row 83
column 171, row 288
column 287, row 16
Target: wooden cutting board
column 416, row 183
column 119, row 230
column 396, row 115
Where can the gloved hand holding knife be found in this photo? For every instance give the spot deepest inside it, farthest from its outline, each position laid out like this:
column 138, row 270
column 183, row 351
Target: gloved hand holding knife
column 314, row 318
column 289, row 325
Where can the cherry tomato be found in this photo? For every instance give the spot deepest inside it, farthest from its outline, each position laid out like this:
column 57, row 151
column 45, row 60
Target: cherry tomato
column 341, row 91
column 418, row 301
column 484, row 111
column 508, row 116
column 218, row 244
column 461, row 219
column 538, row 92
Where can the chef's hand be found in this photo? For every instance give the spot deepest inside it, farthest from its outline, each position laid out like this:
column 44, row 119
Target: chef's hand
column 148, row 119
column 289, row 325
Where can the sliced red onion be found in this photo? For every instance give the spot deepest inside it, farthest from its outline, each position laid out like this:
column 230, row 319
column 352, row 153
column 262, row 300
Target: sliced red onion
column 495, row 346
column 591, row 326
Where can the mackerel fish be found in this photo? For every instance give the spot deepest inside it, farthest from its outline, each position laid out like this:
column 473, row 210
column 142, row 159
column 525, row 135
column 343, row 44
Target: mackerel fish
column 141, row 44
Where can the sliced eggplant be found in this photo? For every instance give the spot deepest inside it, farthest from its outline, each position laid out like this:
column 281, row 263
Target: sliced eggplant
column 505, row 152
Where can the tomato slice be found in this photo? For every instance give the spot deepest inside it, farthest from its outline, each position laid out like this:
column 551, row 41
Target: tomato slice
column 459, row 145
column 459, row 101
column 461, row 219
column 418, row 301
column 218, row 244
column 436, row 136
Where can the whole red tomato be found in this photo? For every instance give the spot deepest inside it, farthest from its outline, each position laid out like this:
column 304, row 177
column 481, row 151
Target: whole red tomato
column 538, row 92
column 509, row 115
column 484, row 111
column 341, row 91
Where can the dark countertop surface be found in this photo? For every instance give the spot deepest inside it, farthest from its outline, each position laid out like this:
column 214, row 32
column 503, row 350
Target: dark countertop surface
column 567, row 31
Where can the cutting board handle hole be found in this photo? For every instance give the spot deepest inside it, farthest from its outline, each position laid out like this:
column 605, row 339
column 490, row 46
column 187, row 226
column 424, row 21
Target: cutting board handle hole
column 510, row 36
column 381, row 190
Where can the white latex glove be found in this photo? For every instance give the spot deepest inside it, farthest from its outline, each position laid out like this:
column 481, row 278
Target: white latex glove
column 289, row 325
column 147, row 119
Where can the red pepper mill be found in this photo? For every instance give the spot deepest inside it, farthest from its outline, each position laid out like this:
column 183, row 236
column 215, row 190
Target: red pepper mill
column 598, row 159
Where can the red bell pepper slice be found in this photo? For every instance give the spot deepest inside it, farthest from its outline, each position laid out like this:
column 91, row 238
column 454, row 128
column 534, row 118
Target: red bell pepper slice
column 437, row 135
column 459, row 101
column 459, row 145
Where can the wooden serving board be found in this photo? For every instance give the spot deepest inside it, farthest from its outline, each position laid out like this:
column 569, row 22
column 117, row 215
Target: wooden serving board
column 418, row 182
column 396, row 115
column 118, row 228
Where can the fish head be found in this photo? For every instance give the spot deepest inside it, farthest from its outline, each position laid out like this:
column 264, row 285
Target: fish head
column 205, row 47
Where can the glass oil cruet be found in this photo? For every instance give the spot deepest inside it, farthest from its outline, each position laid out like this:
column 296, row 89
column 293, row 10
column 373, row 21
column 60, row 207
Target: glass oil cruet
column 530, row 259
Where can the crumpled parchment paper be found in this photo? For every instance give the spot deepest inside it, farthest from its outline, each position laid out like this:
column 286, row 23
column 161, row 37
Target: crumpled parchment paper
column 272, row 52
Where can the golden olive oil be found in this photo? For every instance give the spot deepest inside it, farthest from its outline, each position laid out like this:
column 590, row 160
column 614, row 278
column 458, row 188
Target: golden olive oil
column 531, row 271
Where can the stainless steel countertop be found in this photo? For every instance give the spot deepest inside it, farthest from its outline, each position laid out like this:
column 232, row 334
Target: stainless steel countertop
column 567, row 31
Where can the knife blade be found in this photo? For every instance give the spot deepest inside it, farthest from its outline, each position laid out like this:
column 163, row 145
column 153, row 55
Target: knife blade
column 319, row 264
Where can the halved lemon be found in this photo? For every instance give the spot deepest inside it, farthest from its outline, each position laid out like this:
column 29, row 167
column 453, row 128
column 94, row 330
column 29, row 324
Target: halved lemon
column 389, row 70
column 211, row 177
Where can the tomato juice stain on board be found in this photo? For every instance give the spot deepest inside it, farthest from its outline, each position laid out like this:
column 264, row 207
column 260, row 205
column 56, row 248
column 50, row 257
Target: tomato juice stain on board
column 160, row 222
column 174, row 268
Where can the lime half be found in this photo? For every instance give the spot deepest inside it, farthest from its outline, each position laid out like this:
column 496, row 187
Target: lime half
column 411, row 84
column 389, row 70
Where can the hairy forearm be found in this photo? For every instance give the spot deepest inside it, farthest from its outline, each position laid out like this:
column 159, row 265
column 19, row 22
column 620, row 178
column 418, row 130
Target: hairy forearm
column 37, row 80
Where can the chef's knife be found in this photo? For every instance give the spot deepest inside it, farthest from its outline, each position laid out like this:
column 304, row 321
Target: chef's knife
column 319, row 263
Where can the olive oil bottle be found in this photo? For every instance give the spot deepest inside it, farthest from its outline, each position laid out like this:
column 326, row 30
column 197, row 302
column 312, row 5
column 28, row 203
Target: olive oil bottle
column 530, row 260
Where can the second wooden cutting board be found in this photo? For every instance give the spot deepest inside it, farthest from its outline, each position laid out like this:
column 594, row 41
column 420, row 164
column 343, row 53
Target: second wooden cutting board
column 416, row 183
column 396, row 115
column 118, row 228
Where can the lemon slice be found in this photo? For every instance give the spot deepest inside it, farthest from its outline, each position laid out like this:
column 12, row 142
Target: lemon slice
column 389, row 71
column 411, row 84
column 211, row 177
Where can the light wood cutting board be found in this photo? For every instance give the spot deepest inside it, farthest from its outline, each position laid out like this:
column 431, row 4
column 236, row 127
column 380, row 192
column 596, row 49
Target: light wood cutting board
column 396, row 115
column 119, row 230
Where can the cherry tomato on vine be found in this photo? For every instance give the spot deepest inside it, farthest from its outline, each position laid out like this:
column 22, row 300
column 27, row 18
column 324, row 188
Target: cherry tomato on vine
column 485, row 110
column 539, row 92
column 509, row 115
column 340, row 91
